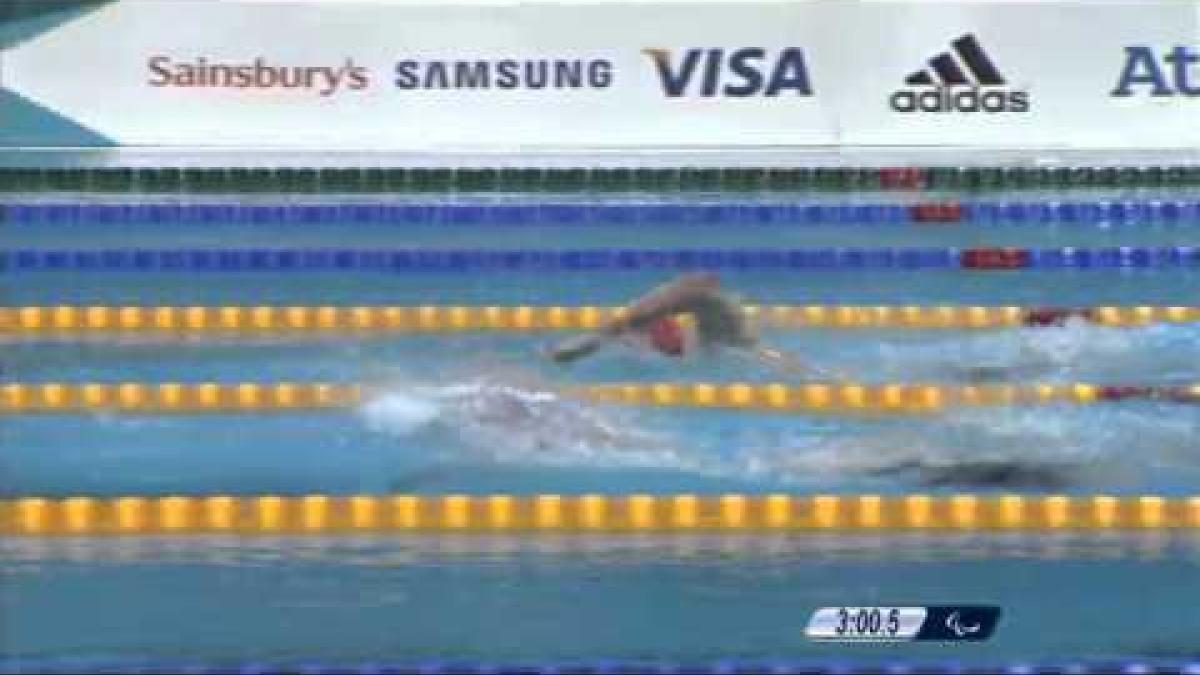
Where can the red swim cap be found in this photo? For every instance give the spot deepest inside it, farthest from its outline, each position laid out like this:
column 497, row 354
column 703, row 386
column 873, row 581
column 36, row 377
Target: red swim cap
column 667, row 336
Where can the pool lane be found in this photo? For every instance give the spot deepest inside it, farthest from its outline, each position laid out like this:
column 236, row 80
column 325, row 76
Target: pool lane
column 543, row 599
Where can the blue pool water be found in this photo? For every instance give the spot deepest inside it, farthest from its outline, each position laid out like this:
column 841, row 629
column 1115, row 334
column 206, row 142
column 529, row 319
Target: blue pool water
column 479, row 413
column 412, row 599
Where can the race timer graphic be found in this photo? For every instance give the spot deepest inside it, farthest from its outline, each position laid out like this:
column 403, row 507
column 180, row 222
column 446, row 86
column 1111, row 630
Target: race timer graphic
column 930, row 623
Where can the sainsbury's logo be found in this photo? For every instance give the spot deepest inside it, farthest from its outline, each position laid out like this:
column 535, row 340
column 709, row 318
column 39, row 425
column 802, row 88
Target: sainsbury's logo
column 259, row 74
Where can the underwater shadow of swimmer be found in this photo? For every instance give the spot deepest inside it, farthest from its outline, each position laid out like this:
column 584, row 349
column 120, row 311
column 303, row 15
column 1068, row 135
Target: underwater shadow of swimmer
column 984, row 474
column 997, row 374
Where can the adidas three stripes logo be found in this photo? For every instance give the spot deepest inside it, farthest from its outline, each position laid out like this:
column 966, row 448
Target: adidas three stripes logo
column 961, row 80
column 949, row 71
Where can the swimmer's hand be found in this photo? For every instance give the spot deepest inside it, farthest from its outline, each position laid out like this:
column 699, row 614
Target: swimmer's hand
column 573, row 349
column 792, row 365
column 778, row 359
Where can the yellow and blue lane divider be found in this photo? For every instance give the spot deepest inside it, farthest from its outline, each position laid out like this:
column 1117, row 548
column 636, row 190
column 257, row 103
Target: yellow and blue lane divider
column 325, row 514
column 18, row 398
column 317, row 319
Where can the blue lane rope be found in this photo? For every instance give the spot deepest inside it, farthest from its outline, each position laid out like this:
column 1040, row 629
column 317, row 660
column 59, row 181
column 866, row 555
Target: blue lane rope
column 471, row 260
column 566, row 213
column 625, row 667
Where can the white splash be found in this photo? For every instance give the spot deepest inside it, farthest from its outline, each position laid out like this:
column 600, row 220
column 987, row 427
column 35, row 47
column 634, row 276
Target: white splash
column 399, row 412
column 505, row 422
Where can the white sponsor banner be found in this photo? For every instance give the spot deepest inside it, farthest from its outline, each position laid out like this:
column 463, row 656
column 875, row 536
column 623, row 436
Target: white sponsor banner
column 524, row 76
column 429, row 77
column 1033, row 75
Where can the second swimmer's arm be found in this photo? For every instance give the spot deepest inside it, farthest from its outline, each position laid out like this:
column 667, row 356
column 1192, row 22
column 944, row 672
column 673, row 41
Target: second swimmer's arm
column 791, row 364
column 778, row 359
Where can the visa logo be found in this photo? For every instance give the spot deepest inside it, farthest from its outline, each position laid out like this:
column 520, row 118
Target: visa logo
column 1166, row 75
column 751, row 71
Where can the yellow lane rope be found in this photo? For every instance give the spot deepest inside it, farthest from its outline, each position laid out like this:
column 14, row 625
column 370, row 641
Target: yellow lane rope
column 166, row 320
column 172, row 397
column 322, row 514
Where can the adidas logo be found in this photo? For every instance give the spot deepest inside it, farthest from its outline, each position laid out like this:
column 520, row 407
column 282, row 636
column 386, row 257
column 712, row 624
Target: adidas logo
column 948, row 71
column 963, row 80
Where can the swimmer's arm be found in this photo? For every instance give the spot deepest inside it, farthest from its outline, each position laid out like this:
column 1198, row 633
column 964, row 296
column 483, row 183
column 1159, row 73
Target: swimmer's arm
column 791, row 364
column 578, row 347
column 778, row 359
column 581, row 346
column 680, row 296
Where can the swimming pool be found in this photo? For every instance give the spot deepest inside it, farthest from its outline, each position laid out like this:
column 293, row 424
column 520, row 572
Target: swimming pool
column 480, row 412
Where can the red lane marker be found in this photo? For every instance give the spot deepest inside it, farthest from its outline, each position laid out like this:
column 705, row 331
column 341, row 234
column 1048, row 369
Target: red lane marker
column 1171, row 393
column 1055, row 316
column 936, row 212
column 994, row 258
column 903, row 178
column 1123, row 392
column 1178, row 394
column 1047, row 316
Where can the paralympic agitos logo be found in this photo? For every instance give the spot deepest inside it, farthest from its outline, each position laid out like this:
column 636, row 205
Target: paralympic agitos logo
column 738, row 73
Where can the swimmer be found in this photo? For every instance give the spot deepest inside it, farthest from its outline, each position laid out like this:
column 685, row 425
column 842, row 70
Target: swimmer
column 1035, row 317
column 720, row 321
